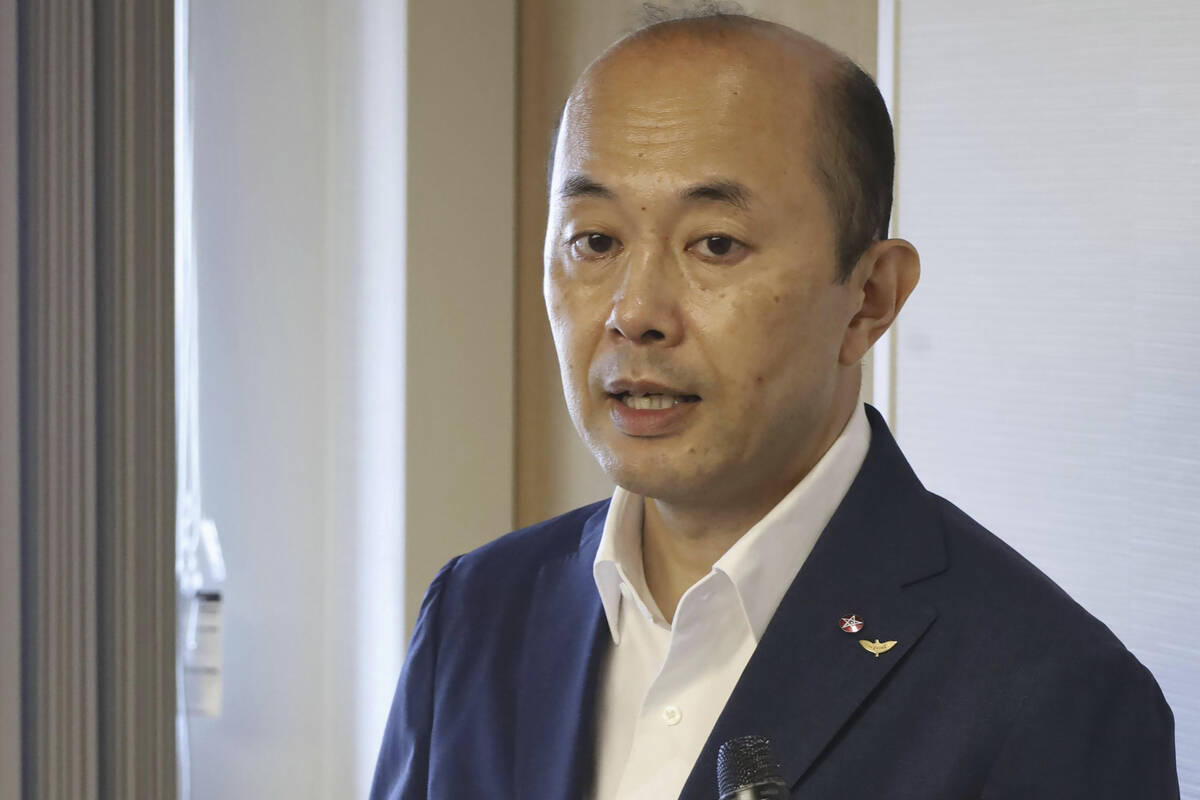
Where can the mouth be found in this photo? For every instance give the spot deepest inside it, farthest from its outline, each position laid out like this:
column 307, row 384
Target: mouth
column 647, row 409
column 652, row 401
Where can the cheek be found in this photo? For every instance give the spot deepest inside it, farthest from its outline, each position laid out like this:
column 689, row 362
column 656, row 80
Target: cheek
column 573, row 327
column 562, row 305
column 764, row 324
column 558, row 313
column 773, row 344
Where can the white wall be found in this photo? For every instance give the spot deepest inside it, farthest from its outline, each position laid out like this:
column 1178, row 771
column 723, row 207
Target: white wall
column 353, row 204
column 260, row 116
column 1050, row 176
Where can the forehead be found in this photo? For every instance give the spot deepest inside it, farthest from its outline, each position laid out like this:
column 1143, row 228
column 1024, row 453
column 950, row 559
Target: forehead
column 655, row 115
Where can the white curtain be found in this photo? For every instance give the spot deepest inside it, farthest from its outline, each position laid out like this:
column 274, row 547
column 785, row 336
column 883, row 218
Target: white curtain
column 1049, row 173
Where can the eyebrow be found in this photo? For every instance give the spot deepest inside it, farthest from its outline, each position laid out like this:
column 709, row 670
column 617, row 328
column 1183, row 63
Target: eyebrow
column 585, row 186
column 718, row 191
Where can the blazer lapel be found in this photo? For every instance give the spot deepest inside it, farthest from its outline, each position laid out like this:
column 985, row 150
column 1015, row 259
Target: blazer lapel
column 807, row 676
column 565, row 638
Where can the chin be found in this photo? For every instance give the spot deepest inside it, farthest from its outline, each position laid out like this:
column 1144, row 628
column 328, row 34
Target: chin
column 666, row 468
column 658, row 479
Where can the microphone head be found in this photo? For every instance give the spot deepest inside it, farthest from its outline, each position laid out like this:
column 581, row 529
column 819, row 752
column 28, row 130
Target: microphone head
column 746, row 768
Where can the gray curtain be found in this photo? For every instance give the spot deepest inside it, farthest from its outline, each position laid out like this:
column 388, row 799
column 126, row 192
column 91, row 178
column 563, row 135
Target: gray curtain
column 89, row 384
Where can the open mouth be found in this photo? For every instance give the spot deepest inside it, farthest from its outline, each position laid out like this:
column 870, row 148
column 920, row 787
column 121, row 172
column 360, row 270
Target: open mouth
column 653, row 401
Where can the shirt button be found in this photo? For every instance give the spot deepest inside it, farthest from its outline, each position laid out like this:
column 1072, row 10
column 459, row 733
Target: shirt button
column 672, row 715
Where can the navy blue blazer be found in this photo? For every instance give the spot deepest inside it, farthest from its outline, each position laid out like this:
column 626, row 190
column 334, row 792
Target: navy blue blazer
column 998, row 686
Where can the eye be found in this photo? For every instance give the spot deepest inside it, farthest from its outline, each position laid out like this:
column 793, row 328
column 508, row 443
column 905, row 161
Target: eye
column 592, row 245
column 719, row 247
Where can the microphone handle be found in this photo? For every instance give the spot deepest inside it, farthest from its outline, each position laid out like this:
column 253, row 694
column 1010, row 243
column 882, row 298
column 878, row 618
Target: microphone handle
column 763, row 791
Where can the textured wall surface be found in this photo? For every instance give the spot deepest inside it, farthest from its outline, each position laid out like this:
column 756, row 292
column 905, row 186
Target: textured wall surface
column 1048, row 381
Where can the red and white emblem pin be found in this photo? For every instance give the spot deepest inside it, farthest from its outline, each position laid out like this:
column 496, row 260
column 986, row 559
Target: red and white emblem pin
column 852, row 624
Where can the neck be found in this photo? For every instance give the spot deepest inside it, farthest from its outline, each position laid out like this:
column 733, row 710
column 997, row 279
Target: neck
column 682, row 541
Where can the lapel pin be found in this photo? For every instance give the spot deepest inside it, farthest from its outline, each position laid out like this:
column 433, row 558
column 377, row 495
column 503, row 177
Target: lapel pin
column 877, row 647
column 852, row 623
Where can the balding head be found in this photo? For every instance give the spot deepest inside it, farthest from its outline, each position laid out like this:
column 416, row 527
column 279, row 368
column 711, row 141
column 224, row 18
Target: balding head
column 839, row 114
column 710, row 281
column 714, row 34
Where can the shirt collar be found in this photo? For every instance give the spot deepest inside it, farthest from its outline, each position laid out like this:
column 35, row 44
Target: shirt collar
column 762, row 563
column 618, row 562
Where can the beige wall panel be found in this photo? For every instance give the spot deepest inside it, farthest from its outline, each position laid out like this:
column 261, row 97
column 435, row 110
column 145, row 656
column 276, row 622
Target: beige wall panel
column 558, row 39
column 459, row 374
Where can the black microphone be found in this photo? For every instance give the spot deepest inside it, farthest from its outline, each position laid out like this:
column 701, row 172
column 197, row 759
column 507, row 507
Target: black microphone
column 746, row 770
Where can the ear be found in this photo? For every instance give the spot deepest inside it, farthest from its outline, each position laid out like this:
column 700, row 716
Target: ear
column 882, row 280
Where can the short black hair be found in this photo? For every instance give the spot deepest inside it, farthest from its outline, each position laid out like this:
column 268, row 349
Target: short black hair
column 856, row 156
column 856, row 160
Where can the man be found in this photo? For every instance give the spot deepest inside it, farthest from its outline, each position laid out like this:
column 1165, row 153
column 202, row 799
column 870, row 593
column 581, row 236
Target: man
column 716, row 267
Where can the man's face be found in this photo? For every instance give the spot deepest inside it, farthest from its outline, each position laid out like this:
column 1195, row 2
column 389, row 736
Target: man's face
column 690, row 274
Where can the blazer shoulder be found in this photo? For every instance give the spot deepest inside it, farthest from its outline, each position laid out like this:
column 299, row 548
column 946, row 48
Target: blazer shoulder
column 1040, row 654
column 516, row 557
column 485, row 597
column 1000, row 591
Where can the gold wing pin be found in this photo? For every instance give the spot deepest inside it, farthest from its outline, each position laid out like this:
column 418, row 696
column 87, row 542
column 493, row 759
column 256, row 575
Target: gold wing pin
column 877, row 647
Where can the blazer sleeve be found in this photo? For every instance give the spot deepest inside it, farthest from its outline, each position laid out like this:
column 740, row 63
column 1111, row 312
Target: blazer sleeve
column 1098, row 727
column 402, row 770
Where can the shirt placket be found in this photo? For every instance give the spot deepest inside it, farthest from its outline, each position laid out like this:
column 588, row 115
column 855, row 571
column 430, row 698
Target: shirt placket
column 707, row 633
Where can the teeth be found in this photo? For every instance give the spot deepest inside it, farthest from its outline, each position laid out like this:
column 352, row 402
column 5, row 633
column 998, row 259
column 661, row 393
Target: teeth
column 655, row 402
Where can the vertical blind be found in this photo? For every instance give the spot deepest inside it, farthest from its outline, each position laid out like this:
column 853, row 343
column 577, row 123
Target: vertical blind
column 96, row 400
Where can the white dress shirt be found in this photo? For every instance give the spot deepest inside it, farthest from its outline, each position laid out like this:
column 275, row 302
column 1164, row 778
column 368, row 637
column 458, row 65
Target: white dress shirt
column 664, row 684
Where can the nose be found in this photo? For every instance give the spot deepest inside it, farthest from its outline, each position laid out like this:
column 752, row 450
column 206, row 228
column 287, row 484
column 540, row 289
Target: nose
column 645, row 308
